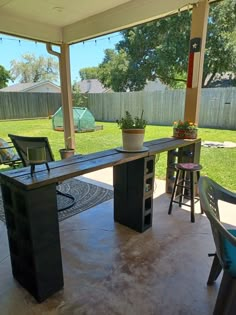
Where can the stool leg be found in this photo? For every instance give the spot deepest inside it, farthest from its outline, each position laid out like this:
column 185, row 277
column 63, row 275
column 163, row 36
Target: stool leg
column 192, row 195
column 173, row 192
column 182, row 188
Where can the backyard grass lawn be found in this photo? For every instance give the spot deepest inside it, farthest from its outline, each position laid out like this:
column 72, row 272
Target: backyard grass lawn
column 218, row 163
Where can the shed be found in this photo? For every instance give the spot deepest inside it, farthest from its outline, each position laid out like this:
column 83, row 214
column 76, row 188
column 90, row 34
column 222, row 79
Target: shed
column 83, row 120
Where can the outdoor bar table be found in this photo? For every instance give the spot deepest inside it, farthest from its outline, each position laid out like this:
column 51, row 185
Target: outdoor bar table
column 30, row 204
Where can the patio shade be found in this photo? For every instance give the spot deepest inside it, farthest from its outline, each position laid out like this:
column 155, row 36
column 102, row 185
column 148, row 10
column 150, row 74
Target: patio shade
column 62, row 21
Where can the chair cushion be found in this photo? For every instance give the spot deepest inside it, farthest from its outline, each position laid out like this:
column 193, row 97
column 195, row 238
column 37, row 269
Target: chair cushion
column 6, row 153
column 230, row 254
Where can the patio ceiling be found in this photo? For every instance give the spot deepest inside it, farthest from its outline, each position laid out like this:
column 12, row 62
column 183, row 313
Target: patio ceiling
column 63, row 21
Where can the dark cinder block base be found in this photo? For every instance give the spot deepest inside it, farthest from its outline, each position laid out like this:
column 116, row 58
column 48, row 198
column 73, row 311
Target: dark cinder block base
column 133, row 190
column 33, row 233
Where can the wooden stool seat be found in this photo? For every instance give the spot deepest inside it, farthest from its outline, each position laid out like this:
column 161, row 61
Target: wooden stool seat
column 191, row 167
column 184, row 187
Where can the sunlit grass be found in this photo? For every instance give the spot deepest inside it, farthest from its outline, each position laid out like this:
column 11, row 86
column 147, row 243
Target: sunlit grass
column 218, row 163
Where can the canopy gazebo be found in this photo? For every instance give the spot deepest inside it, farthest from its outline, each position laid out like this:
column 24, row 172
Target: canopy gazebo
column 61, row 23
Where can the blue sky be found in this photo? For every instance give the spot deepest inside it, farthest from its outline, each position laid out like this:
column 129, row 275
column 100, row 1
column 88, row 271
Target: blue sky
column 87, row 54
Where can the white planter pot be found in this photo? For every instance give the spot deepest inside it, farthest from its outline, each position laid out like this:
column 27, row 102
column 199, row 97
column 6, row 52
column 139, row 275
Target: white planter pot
column 133, row 139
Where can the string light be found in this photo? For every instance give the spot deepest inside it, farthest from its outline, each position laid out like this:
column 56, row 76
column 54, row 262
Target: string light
column 101, row 39
column 20, row 41
column 189, row 5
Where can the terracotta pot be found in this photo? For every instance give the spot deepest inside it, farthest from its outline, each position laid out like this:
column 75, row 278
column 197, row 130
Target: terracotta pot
column 133, row 139
column 184, row 134
column 66, row 153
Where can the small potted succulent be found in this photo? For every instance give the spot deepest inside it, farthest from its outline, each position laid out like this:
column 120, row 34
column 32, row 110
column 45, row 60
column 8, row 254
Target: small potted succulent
column 133, row 130
column 185, row 129
column 67, row 151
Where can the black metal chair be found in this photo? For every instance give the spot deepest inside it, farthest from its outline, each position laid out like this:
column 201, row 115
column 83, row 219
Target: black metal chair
column 22, row 143
column 225, row 241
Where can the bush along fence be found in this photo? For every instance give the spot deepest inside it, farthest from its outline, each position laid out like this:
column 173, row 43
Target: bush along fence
column 217, row 109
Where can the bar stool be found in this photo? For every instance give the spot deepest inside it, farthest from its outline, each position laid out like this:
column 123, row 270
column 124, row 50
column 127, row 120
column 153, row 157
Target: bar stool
column 184, row 187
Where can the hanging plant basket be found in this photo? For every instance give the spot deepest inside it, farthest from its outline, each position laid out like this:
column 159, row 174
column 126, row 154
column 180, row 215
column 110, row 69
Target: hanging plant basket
column 185, row 134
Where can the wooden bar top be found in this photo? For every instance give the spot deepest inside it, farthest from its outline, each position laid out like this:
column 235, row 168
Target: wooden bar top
column 82, row 164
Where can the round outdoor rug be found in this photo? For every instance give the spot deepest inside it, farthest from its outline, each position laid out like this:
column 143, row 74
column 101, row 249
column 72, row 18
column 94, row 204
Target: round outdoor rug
column 86, row 196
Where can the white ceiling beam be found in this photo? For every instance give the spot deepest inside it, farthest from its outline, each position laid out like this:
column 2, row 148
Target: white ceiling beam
column 17, row 26
column 121, row 17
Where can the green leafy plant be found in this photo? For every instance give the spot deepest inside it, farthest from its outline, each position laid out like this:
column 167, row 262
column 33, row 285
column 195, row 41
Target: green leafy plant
column 129, row 122
column 185, row 125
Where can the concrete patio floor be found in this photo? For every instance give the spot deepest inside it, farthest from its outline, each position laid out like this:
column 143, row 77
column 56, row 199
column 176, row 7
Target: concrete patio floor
column 111, row 269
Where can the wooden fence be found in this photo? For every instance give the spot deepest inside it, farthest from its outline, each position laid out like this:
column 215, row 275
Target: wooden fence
column 217, row 110
column 15, row 105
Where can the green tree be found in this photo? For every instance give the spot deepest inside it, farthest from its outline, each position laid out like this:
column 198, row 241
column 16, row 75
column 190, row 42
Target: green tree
column 33, row 69
column 220, row 54
column 89, row 73
column 77, row 97
column 113, row 71
column 4, row 77
column 160, row 50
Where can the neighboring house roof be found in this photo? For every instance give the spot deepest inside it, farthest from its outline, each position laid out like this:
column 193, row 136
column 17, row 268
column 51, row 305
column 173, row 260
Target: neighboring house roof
column 92, row 86
column 227, row 79
column 43, row 86
column 156, row 85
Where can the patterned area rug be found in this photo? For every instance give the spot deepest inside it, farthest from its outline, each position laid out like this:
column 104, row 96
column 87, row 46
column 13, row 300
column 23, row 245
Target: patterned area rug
column 86, row 196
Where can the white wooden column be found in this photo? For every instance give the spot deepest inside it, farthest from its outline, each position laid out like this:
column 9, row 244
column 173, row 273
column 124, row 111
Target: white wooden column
column 196, row 59
column 66, row 92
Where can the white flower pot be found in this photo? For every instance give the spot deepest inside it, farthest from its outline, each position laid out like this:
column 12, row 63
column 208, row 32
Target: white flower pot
column 133, row 139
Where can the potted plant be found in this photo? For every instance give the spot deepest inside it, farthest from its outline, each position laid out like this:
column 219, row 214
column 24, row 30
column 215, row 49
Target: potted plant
column 36, row 155
column 185, row 129
column 67, row 151
column 133, row 130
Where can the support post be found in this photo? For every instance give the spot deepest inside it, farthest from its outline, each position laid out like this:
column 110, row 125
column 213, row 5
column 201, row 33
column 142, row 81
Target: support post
column 66, row 92
column 196, row 59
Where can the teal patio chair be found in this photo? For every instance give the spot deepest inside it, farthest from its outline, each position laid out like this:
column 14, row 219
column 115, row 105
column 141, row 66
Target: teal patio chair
column 225, row 241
